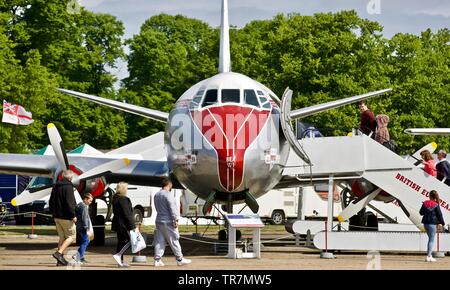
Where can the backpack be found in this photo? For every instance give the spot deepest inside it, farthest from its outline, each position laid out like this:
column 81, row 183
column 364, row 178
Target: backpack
column 391, row 145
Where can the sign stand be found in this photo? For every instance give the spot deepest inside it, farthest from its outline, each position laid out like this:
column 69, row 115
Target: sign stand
column 32, row 235
column 236, row 221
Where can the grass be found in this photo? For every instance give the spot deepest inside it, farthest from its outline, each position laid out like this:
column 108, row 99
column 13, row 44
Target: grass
column 184, row 229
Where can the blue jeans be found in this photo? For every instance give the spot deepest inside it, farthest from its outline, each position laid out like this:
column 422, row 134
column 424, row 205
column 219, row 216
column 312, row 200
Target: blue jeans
column 84, row 243
column 431, row 232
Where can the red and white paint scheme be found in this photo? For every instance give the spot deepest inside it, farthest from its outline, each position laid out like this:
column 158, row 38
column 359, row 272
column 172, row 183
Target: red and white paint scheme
column 223, row 136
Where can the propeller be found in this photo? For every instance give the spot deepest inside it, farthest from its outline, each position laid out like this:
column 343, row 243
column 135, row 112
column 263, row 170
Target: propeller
column 33, row 194
column 103, row 169
column 416, row 158
column 28, row 196
column 58, row 146
column 355, row 206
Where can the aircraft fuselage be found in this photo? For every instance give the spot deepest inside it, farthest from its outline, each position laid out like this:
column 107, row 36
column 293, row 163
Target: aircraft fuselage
column 223, row 136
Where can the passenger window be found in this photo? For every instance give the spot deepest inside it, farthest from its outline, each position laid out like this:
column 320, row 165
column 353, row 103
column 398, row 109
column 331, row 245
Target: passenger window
column 231, row 96
column 250, row 98
column 210, row 98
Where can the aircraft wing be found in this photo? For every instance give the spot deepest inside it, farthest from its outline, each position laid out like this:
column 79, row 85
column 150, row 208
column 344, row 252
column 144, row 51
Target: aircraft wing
column 308, row 111
column 428, row 131
column 139, row 172
column 150, row 148
column 28, row 164
column 141, row 111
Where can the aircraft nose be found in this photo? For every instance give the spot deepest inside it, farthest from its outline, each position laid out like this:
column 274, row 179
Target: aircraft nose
column 230, row 129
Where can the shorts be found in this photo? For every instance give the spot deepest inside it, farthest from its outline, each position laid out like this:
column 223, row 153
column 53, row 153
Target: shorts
column 66, row 229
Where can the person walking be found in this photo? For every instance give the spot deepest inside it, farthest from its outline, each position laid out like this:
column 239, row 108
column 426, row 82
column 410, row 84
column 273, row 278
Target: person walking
column 443, row 167
column 382, row 133
column 122, row 222
column 428, row 162
column 167, row 225
column 62, row 207
column 432, row 217
column 368, row 123
column 84, row 226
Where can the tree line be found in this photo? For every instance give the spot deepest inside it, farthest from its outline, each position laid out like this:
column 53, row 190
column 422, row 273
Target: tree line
column 323, row 57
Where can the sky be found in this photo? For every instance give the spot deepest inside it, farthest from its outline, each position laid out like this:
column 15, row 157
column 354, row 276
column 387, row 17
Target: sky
column 406, row 16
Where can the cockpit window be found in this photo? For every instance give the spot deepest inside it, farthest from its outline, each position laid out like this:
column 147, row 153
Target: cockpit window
column 200, row 93
column 265, row 103
column 231, row 96
column 267, row 106
column 210, row 98
column 197, row 99
column 250, row 98
column 260, row 93
column 39, row 181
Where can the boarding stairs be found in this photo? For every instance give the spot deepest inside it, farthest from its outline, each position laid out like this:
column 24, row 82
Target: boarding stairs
column 361, row 157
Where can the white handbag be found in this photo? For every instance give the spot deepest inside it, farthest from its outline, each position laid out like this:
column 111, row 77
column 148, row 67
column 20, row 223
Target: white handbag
column 137, row 241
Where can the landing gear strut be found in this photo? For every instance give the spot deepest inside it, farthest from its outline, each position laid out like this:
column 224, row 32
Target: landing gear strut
column 223, row 234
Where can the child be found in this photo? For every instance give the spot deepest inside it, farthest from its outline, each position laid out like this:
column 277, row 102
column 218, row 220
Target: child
column 84, row 226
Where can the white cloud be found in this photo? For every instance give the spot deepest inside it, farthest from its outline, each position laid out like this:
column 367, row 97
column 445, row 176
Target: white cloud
column 436, row 12
column 90, row 3
column 412, row 16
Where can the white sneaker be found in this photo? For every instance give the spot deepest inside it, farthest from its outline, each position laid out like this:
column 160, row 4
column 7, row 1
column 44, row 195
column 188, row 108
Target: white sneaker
column 124, row 265
column 118, row 260
column 183, row 261
column 159, row 263
column 430, row 259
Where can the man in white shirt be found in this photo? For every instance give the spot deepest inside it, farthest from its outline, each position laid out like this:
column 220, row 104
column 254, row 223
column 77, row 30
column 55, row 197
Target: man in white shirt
column 167, row 225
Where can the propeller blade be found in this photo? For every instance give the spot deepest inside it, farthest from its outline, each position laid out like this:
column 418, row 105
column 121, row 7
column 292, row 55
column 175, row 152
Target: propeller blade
column 108, row 167
column 58, row 146
column 357, row 205
column 27, row 196
column 78, row 198
column 416, row 158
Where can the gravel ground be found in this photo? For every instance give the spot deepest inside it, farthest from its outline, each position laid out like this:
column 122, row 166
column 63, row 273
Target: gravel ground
column 18, row 252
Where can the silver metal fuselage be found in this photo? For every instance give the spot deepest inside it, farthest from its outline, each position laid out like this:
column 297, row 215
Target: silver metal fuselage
column 228, row 148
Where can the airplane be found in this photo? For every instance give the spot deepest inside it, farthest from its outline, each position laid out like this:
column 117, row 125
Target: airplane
column 222, row 138
column 428, row 131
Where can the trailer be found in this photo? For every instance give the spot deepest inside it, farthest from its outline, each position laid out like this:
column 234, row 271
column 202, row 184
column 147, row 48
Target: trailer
column 10, row 187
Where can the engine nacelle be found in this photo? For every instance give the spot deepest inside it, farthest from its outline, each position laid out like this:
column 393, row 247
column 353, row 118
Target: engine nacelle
column 361, row 187
column 95, row 186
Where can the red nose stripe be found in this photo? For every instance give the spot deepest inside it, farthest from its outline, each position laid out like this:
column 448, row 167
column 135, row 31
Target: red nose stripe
column 230, row 129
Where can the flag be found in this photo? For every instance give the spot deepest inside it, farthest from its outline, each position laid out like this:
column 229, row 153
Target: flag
column 16, row 114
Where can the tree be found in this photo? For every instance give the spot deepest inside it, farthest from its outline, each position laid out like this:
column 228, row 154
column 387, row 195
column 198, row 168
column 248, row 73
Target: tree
column 27, row 85
column 330, row 56
column 169, row 55
column 421, row 76
column 78, row 49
